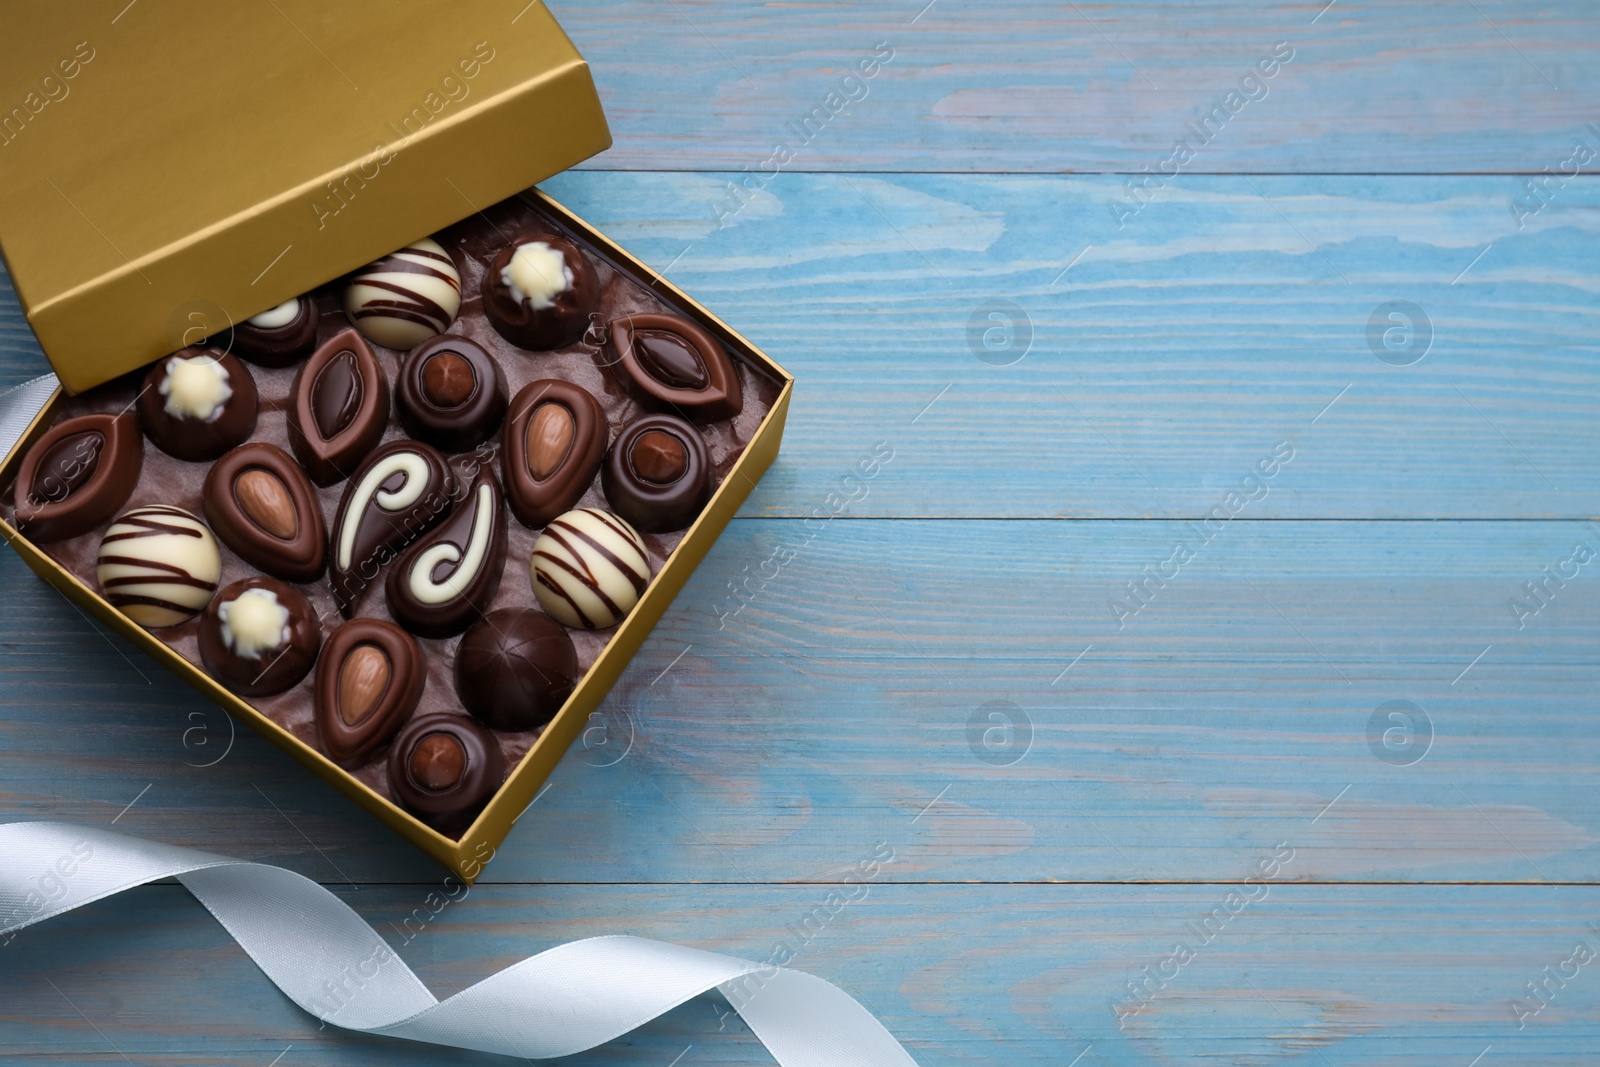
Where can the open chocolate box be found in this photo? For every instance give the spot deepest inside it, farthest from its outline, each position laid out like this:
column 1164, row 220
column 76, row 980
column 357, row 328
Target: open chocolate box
column 409, row 521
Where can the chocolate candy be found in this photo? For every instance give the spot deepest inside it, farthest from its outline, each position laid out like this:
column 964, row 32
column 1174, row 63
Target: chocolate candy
column 259, row 636
column 262, row 506
column 589, row 568
column 402, row 491
column 198, row 403
column 675, row 362
column 368, row 682
column 539, row 291
column 278, row 337
column 406, row 297
column 515, row 668
column 447, row 578
column 77, row 475
column 338, row 408
column 554, row 439
column 159, row 565
column 444, row 767
column 451, row 393
column 658, row 473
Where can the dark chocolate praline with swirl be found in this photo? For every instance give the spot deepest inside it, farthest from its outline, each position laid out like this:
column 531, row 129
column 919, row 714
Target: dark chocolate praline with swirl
column 404, row 489
column 449, row 576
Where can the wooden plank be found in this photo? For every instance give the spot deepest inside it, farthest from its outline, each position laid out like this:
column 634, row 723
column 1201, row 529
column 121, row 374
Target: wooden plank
column 1165, row 364
column 975, row 974
column 847, row 699
column 1167, row 357
column 1028, row 85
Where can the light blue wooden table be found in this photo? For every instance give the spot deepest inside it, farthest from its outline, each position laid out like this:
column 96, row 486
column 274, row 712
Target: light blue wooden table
column 1072, row 375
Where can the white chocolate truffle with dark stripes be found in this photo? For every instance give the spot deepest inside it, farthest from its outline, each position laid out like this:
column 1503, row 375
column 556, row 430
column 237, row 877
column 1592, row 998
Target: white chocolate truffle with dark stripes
column 589, row 568
column 406, row 297
column 159, row 565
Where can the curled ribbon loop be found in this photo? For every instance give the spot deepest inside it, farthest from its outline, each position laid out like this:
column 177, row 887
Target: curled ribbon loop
column 327, row 960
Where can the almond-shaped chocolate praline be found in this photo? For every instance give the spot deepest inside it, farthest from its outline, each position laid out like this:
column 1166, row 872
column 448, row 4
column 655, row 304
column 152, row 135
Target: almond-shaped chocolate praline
column 338, row 408
column 261, row 504
column 677, row 363
column 444, row 767
column 77, row 475
column 259, row 636
column 515, row 668
column 658, row 473
column 451, row 393
column 278, row 337
column 369, row 679
column 198, row 403
column 539, row 291
column 402, row 491
column 550, row 449
column 449, row 576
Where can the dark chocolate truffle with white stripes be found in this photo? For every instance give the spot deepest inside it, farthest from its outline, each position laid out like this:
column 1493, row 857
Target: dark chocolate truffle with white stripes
column 406, row 297
column 589, row 568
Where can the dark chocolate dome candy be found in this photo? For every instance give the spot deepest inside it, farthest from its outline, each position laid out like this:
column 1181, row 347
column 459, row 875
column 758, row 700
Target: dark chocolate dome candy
column 515, row 668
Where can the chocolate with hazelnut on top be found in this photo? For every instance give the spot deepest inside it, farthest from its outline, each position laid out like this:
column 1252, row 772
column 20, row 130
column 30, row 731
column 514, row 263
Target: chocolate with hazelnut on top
column 451, row 393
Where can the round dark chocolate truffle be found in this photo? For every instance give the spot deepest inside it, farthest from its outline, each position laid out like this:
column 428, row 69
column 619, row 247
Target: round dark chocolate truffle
column 444, row 767
column 278, row 337
column 515, row 668
column 539, row 291
column 451, row 393
column 658, row 473
column 198, row 403
column 259, row 636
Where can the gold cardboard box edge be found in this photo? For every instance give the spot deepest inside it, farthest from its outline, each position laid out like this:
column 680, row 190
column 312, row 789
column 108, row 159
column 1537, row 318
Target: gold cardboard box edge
column 465, row 857
column 207, row 270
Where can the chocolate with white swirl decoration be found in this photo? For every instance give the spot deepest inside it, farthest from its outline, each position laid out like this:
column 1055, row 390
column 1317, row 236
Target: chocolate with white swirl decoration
column 406, row 297
column 401, row 492
column 447, row 579
column 159, row 565
column 589, row 568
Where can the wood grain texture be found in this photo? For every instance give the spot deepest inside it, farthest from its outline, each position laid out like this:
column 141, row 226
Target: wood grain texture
column 921, row 635
column 769, row 737
column 964, row 975
column 1226, row 317
column 1030, row 85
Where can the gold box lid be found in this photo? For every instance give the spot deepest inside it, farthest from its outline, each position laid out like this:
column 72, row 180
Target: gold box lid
column 171, row 168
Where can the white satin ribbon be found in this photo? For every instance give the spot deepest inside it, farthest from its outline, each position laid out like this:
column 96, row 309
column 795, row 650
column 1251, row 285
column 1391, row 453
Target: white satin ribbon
column 327, row 960
column 19, row 405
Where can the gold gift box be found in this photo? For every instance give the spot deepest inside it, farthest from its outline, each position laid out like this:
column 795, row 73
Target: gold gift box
column 172, row 169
